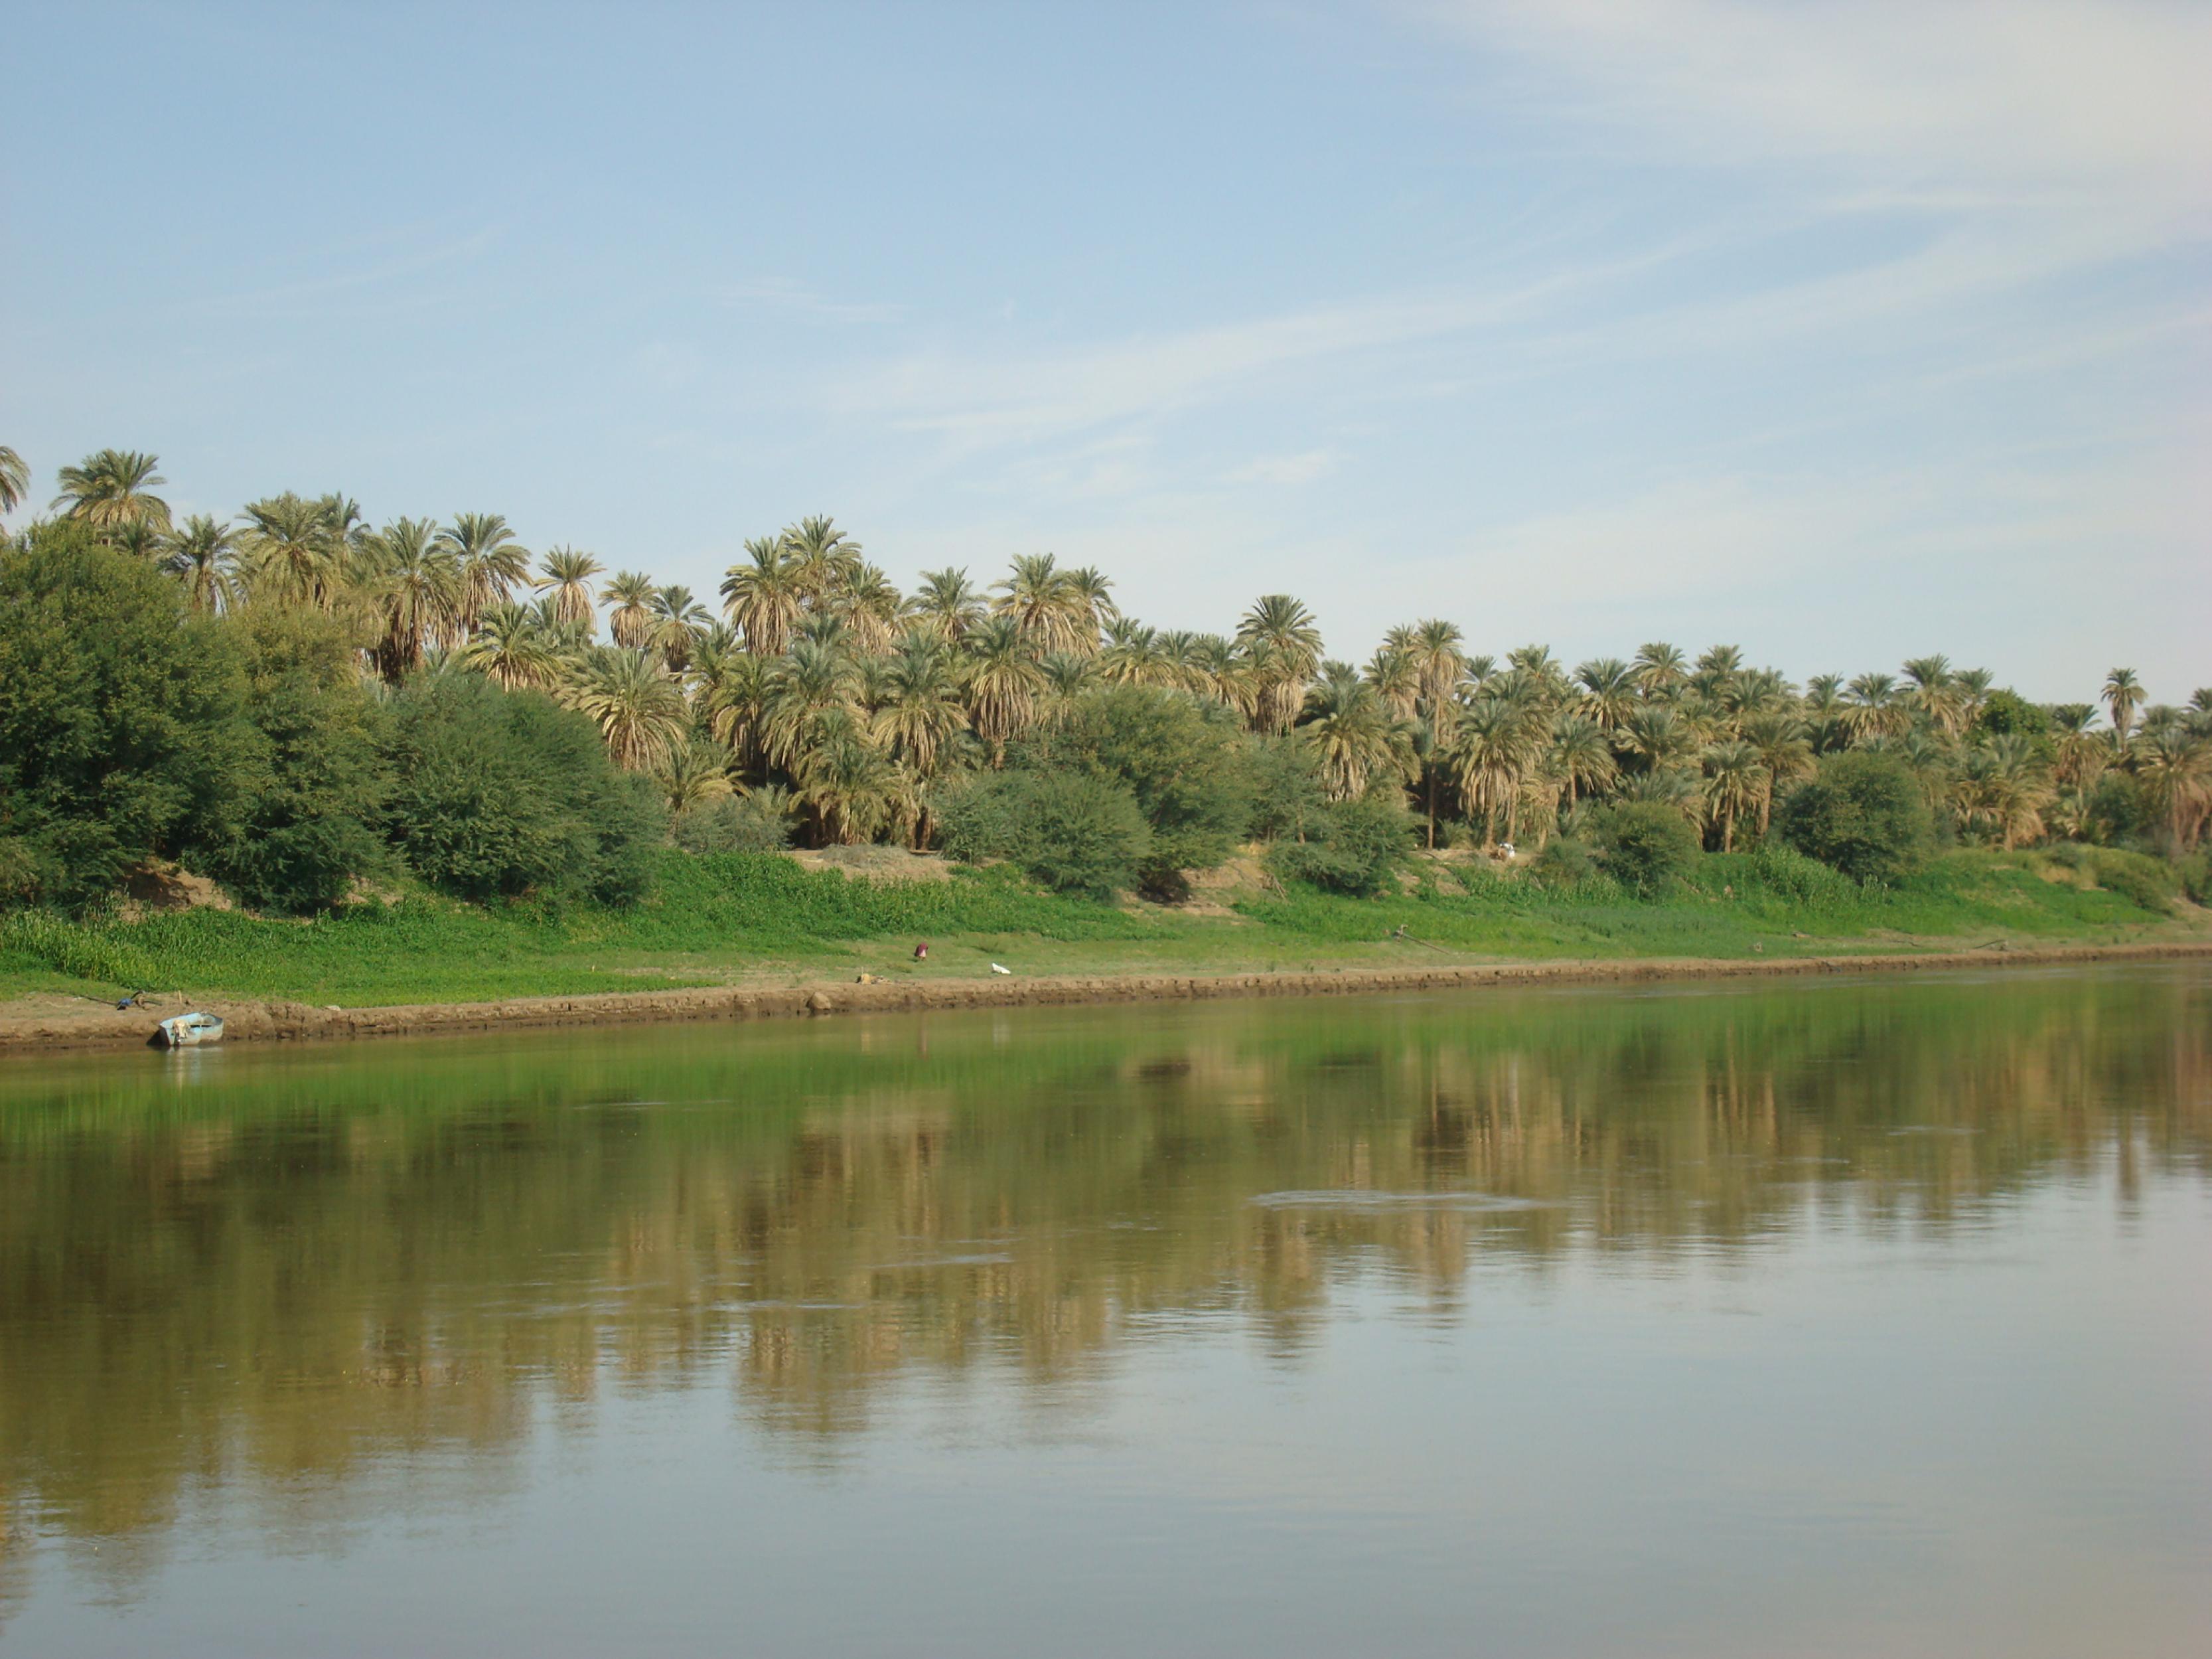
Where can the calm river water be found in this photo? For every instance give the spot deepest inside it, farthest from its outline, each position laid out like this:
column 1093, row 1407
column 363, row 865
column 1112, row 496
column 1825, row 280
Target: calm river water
column 1872, row 1315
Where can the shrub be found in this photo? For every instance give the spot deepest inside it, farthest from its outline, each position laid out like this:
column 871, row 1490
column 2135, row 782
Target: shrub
column 1861, row 812
column 308, row 823
column 497, row 793
column 1075, row 833
column 1564, row 861
column 1646, row 847
column 120, row 734
column 2194, row 874
column 2150, row 883
column 758, row 822
column 1188, row 765
column 1351, row 846
column 1286, row 789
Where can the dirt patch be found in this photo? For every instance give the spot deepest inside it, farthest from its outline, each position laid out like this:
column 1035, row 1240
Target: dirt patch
column 46, row 1023
column 156, row 887
column 877, row 864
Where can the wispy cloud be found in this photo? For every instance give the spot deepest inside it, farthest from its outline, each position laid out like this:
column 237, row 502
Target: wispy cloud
column 785, row 295
column 1286, row 469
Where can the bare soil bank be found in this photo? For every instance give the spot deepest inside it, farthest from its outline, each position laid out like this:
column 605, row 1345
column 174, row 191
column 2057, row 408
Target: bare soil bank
column 28, row 1025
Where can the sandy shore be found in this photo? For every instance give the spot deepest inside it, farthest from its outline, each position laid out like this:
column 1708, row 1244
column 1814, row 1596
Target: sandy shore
column 46, row 1023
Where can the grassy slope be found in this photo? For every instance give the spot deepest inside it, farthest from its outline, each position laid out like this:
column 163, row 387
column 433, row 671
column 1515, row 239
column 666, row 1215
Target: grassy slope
column 717, row 920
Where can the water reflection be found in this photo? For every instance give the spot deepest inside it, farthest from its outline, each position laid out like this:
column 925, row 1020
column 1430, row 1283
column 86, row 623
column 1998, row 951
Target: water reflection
column 263, row 1272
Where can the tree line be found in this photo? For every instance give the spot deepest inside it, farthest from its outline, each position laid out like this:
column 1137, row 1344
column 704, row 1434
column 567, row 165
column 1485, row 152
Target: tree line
column 324, row 673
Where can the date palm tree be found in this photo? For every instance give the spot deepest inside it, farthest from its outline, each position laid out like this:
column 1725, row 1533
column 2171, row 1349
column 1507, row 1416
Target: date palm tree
column 492, row 563
column 810, row 682
column 919, row 714
column 1066, row 680
column 1582, row 759
column 730, row 701
column 675, row 621
column 691, row 774
column 1495, row 748
column 415, row 588
column 202, row 555
column 1044, row 604
column 567, row 582
column 1660, row 669
column 763, row 594
column 1001, row 681
column 639, row 710
column 1608, row 692
column 1780, row 739
column 1284, row 645
column 1736, row 783
column 2124, row 695
column 868, row 605
column 844, row 780
column 2175, row 766
column 111, row 488
column 15, row 480
column 820, row 554
column 629, row 622
column 1872, row 709
column 510, row 646
column 947, row 604
column 292, row 552
column 1354, row 733
column 1933, row 693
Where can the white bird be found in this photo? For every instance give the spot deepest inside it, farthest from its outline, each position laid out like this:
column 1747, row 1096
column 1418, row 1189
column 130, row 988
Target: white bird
column 995, row 968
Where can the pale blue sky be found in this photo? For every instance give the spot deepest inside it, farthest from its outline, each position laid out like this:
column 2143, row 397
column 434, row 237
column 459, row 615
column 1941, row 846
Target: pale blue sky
column 1844, row 333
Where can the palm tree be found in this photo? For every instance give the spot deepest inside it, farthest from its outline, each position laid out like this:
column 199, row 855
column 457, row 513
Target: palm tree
column 1934, row 694
column 2175, row 767
column 639, row 710
column 844, row 779
column 203, row 554
column 15, row 480
column 763, row 594
column 631, row 592
column 1660, row 669
column 868, row 605
column 1736, row 784
column 510, row 647
column 920, row 713
column 1043, row 602
column 567, row 583
column 2003, row 789
column 415, row 587
column 1067, row 678
column 946, row 604
column 673, row 628
column 111, row 488
column 1582, row 759
column 1002, row 681
column 1493, row 751
column 1283, row 644
column 1354, row 732
column 1780, row 740
column 293, row 552
column 1873, row 710
column 492, row 563
column 1660, row 736
column 733, row 689
column 812, row 681
column 1609, row 690
column 1090, row 594
column 2124, row 695
column 820, row 553
column 691, row 774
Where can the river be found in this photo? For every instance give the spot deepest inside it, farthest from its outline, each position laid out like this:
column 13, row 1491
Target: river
column 1867, row 1314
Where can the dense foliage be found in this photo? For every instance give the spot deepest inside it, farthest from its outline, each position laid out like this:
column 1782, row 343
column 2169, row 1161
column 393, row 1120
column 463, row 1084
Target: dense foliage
column 304, row 706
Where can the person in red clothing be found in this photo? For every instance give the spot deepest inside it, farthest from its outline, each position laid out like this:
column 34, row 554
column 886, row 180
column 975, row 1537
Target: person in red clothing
column 921, row 951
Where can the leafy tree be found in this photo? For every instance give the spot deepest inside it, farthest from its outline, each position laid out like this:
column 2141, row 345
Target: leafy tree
column 500, row 794
column 759, row 821
column 309, row 816
column 1187, row 763
column 1861, row 812
column 120, row 734
column 1076, row 832
column 1354, row 847
column 1646, row 847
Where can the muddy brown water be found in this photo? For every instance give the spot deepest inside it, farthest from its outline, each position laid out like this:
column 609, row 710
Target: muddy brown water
column 1848, row 1315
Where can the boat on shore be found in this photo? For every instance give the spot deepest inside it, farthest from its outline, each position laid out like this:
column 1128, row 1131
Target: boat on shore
column 189, row 1030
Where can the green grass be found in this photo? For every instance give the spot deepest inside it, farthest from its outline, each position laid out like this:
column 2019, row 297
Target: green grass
column 763, row 917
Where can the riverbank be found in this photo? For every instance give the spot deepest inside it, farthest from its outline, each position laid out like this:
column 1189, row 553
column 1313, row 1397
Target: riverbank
column 43, row 1023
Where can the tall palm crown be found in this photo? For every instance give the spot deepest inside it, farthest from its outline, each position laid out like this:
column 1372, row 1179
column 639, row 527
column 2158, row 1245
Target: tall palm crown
column 629, row 620
column 15, row 480
column 1049, row 605
column 112, row 488
column 947, row 603
column 294, row 550
column 1279, row 633
column 492, row 563
column 2124, row 695
column 763, row 594
column 567, row 582
column 820, row 553
column 413, row 582
column 203, row 555
column 639, row 710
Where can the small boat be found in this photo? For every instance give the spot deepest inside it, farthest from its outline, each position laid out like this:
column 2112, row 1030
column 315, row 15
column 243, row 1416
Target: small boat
column 189, row 1030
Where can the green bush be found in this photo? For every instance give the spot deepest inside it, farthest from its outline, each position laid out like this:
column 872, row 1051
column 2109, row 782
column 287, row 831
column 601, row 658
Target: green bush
column 2195, row 875
column 1351, row 846
column 1286, row 789
column 1861, row 812
column 121, row 738
column 759, row 822
column 1074, row 832
column 1564, row 861
column 1188, row 764
column 2151, row 883
column 1646, row 847
column 310, row 809
column 498, row 794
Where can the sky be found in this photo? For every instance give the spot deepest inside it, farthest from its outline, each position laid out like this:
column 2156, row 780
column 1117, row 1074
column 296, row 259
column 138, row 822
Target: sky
column 1842, row 331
